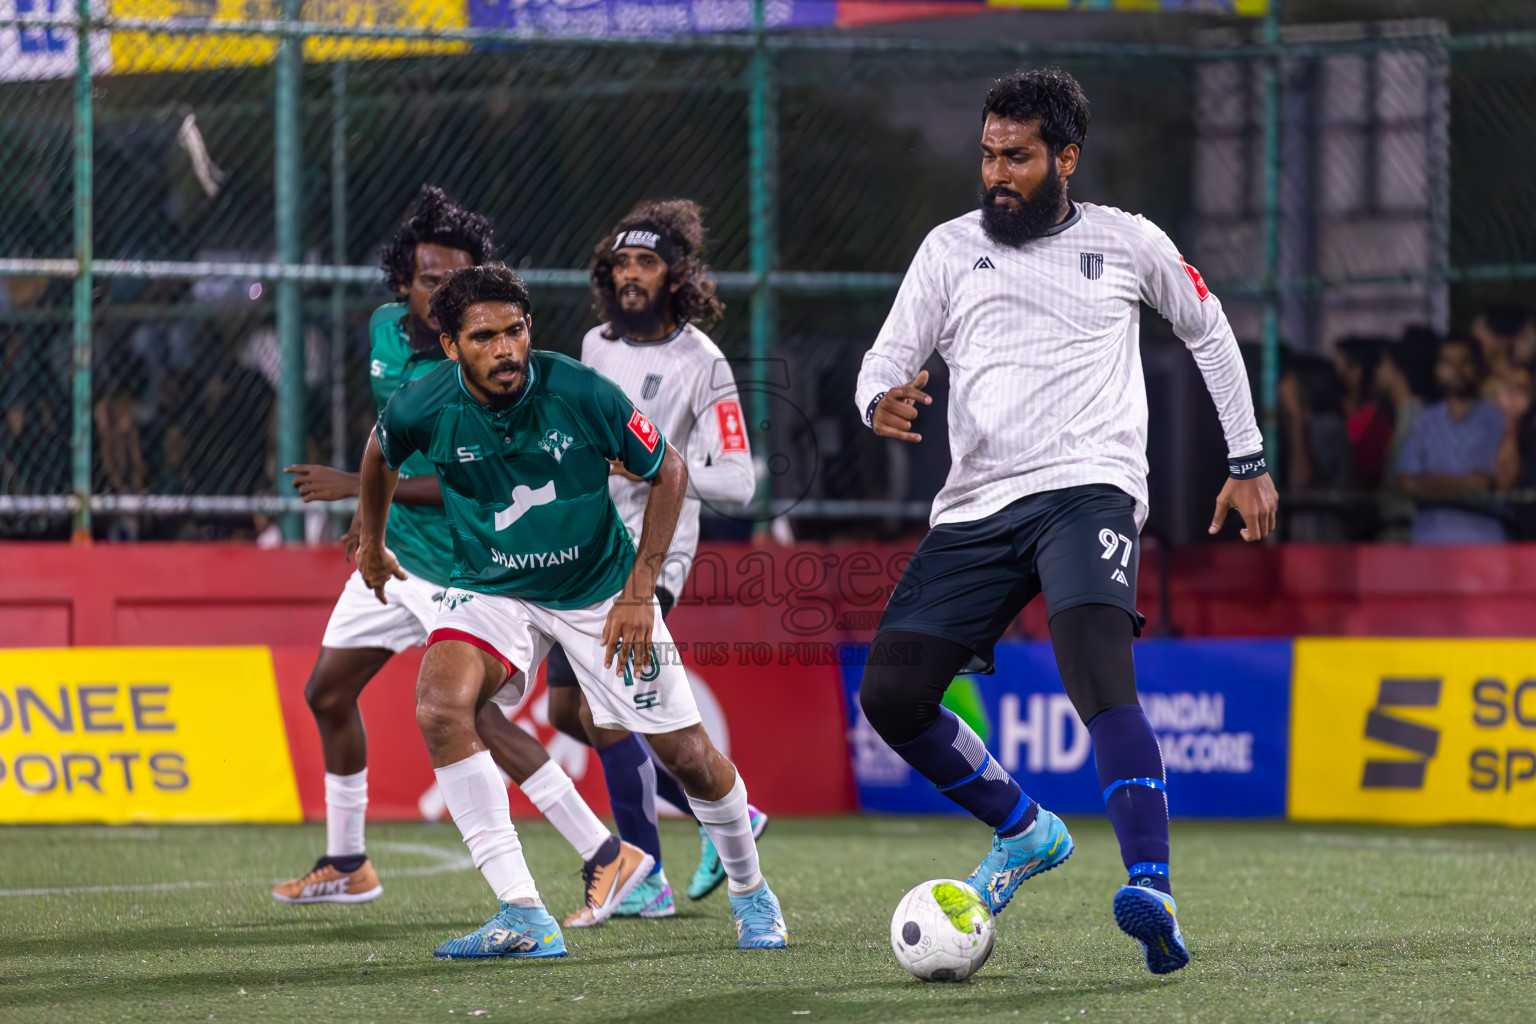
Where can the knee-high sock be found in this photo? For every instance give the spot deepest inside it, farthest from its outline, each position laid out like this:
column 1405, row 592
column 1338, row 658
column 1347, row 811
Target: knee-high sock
column 727, row 822
column 1130, row 764
column 554, row 794
column 951, row 756
column 477, row 800
column 346, row 807
column 631, row 781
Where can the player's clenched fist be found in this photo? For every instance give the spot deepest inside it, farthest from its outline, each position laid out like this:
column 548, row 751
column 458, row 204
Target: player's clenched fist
column 378, row 566
column 897, row 409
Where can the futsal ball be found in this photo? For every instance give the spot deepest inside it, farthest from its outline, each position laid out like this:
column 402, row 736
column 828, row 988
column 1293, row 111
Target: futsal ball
column 942, row 931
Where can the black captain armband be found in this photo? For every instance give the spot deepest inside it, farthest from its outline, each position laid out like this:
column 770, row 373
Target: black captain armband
column 869, row 413
column 1246, row 467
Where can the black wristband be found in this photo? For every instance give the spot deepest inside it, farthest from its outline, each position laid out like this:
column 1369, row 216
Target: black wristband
column 869, row 413
column 1246, row 467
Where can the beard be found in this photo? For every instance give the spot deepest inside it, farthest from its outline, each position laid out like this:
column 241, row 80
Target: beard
column 645, row 320
column 496, row 398
column 423, row 336
column 1032, row 218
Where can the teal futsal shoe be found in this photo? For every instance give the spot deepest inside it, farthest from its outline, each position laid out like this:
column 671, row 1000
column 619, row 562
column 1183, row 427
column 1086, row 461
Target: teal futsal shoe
column 1151, row 918
column 759, row 922
column 512, row 931
column 1038, row 848
column 651, row 898
column 710, row 872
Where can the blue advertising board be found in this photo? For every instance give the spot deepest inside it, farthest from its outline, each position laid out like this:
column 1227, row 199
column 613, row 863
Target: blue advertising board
column 1220, row 708
column 600, row 19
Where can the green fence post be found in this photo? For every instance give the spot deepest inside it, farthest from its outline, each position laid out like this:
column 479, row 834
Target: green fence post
column 287, row 144
column 763, row 118
column 339, row 257
column 80, row 412
column 1269, row 380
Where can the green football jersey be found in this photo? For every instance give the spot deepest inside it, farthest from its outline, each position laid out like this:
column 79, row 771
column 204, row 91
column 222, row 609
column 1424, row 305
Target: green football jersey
column 417, row 534
column 527, row 488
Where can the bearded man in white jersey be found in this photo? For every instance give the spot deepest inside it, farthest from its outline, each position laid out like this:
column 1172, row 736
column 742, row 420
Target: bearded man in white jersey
column 652, row 291
column 1034, row 303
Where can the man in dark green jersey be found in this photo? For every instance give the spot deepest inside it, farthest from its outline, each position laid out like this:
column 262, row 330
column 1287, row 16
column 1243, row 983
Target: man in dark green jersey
column 363, row 634
column 522, row 442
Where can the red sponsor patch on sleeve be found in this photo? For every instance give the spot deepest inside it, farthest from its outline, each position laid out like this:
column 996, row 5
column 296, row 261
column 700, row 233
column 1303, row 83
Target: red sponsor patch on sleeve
column 733, row 434
column 1194, row 275
column 644, row 430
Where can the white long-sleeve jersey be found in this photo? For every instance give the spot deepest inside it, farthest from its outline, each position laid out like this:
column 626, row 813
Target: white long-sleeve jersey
column 684, row 385
column 1046, row 388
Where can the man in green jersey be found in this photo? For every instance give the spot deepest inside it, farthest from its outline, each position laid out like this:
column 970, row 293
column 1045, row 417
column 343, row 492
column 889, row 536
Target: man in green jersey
column 522, row 442
column 363, row 634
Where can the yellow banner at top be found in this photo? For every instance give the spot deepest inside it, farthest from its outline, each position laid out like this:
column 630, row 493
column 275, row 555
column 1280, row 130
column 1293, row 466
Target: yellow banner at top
column 1245, row 8
column 143, row 52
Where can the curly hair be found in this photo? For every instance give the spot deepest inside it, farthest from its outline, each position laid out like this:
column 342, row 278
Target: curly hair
column 695, row 300
column 436, row 219
column 462, row 288
column 1048, row 95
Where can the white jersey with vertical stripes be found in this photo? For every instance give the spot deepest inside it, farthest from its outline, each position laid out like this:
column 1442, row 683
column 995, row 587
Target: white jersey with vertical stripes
column 684, row 385
column 1046, row 387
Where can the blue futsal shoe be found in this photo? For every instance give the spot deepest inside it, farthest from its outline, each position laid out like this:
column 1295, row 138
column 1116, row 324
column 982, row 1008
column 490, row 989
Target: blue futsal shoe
column 1151, row 918
column 710, row 872
column 513, row 931
column 1038, row 848
column 759, row 922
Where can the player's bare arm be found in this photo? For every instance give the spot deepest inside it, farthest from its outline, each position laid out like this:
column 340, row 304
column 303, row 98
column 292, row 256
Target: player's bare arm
column 374, row 560
column 323, row 483
column 897, row 411
column 628, row 629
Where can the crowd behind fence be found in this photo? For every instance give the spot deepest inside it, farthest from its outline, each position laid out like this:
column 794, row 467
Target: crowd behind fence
column 194, row 210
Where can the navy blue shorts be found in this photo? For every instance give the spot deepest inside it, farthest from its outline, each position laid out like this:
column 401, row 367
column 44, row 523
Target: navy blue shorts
column 967, row 581
column 557, row 667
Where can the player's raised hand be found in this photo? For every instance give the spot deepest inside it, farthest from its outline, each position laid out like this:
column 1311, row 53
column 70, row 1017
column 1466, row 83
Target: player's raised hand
column 1255, row 500
column 378, row 566
column 898, row 409
column 627, row 632
column 322, row 483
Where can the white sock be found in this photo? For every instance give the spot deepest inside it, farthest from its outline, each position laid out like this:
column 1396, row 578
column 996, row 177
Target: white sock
column 346, row 808
column 477, row 801
column 554, row 794
column 730, row 828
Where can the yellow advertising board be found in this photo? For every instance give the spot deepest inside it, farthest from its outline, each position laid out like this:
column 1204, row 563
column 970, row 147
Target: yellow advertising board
column 1414, row 731
column 119, row 734
column 140, row 52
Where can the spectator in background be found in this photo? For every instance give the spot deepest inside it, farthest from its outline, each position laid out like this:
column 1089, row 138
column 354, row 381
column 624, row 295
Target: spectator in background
column 1368, row 415
column 1507, row 336
column 1392, row 387
column 1311, row 396
column 1457, row 453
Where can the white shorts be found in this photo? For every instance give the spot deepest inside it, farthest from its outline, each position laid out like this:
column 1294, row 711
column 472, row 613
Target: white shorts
column 521, row 633
column 359, row 620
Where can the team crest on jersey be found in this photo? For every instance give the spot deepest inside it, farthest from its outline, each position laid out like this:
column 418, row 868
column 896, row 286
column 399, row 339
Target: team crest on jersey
column 1091, row 264
column 556, row 443
column 651, row 386
column 644, row 430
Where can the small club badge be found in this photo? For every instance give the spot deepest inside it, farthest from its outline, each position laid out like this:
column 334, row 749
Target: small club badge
column 556, row 443
column 645, row 430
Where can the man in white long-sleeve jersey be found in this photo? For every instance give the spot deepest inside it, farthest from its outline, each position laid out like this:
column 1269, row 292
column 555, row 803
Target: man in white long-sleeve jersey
column 653, row 292
column 1034, row 302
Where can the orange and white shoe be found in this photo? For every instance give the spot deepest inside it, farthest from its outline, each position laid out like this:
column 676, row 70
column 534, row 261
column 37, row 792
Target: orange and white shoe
column 610, row 876
column 325, row 883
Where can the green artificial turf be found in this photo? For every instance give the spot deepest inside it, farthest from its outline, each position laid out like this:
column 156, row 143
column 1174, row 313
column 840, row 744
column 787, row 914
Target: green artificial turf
column 1287, row 923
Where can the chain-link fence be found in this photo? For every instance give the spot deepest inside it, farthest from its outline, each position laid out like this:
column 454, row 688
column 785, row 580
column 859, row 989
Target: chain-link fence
column 194, row 206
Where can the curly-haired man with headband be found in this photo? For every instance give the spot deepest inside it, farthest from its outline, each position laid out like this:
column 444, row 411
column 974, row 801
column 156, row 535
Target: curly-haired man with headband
column 1034, row 301
column 365, row 631
column 654, row 295
column 541, row 557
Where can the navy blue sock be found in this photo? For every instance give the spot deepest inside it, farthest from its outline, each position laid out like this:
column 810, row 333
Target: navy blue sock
column 670, row 790
column 632, row 793
column 951, row 756
column 1130, row 767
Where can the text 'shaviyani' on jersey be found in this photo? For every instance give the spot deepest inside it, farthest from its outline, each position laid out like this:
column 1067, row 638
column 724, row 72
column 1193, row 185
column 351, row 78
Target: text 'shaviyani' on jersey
column 1041, row 341
column 417, row 534
column 526, row 489
column 685, row 387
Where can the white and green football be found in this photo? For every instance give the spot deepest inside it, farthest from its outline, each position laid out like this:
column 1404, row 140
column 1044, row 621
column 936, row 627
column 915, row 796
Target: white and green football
column 942, row 931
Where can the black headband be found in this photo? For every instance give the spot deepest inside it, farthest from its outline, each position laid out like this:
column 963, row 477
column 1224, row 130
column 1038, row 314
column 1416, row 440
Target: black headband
column 648, row 236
